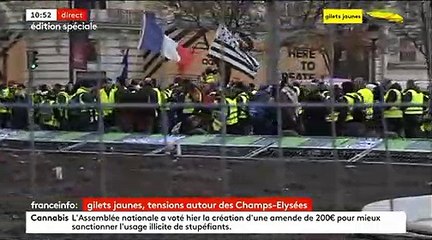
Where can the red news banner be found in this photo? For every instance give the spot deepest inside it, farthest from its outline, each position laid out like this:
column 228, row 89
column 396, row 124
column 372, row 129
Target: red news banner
column 256, row 204
column 66, row 14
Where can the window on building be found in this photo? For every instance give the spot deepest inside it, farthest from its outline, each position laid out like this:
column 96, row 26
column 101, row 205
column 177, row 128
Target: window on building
column 98, row 4
column 90, row 4
column 92, row 51
column 407, row 51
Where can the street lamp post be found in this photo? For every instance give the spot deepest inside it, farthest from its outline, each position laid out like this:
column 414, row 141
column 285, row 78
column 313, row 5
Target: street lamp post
column 373, row 61
column 373, row 32
column 427, row 7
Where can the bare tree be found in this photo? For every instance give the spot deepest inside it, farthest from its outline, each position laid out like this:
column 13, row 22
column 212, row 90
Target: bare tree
column 239, row 16
column 414, row 27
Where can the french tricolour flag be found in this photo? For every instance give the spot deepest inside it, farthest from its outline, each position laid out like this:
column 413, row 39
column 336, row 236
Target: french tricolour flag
column 153, row 39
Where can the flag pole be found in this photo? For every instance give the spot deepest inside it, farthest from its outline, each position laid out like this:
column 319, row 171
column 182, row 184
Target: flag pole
column 71, row 70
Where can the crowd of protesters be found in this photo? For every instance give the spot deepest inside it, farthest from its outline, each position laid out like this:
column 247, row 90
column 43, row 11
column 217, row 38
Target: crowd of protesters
column 354, row 108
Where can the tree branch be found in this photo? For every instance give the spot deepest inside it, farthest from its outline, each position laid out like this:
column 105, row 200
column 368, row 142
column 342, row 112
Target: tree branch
column 423, row 18
column 416, row 45
column 306, row 16
column 319, row 11
column 351, row 4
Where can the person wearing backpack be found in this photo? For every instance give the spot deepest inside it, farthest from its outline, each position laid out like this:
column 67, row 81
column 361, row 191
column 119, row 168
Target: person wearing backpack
column 46, row 116
column 351, row 119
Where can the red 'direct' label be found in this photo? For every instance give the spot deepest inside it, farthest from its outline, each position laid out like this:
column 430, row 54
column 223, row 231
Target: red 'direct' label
column 255, row 204
column 66, row 14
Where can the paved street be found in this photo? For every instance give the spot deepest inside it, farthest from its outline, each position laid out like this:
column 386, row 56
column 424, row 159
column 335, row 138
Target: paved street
column 138, row 176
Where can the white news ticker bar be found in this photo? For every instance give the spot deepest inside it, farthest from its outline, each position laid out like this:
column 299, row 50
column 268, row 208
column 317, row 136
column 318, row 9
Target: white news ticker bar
column 170, row 222
column 41, row 15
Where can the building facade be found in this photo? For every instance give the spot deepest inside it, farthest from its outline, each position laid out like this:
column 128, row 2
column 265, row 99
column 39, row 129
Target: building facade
column 118, row 29
column 406, row 57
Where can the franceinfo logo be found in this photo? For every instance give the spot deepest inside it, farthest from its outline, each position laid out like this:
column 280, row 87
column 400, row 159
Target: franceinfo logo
column 343, row 16
column 63, row 27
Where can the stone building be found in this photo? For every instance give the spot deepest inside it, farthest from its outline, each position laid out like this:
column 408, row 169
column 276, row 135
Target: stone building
column 405, row 60
column 118, row 28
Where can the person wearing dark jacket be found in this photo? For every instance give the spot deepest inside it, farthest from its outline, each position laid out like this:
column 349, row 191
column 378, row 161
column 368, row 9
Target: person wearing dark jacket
column 83, row 117
column 260, row 115
column 19, row 115
column 351, row 117
column 5, row 98
column 315, row 119
column 133, row 119
column 144, row 119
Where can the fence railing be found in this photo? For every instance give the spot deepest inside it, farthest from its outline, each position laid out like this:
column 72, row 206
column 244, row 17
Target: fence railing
column 124, row 17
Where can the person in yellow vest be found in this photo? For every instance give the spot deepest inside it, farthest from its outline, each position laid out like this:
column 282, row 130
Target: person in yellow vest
column 351, row 118
column 426, row 98
column 161, row 100
column 62, row 98
column 231, row 116
column 427, row 114
column 393, row 115
column 209, row 76
column 190, row 94
column 108, row 96
column 426, row 124
column 170, row 96
column 426, row 128
column 82, row 117
column 413, row 115
column 46, row 114
column 36, row 98
column 4, row 110
column 243, row 98
column 160, row 94
column 332, row 114
column 368, row 99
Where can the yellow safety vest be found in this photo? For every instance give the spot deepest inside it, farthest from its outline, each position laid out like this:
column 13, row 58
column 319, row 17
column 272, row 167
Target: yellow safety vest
column 325, row 95
column 63, row 111
column 168, row 93
column 332, row 117
column 36, row 98
column 80, row 91
column 159, row 96
column 64, row 94
column 243, row 109
column 351, row 97
column 210, row 78
column 92, row 112
column 368, row 98
column 394, row 111
column 4, row 97
column 426, row 127
column 417, row 98
column 107, row 99
column 231, row 116
column 297, row 90
column 188, row 109
column 426, row 99
column 47, row 116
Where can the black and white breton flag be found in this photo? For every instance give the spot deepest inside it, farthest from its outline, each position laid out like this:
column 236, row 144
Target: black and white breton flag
column 153, row 62
column 226, row 47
